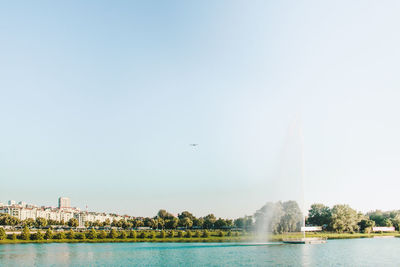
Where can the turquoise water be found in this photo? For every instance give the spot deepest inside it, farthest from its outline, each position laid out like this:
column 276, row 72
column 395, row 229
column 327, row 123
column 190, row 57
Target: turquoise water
column 351, row 252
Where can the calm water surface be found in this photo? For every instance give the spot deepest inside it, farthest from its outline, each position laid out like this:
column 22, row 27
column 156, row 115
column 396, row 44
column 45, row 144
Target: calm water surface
column 352, row 252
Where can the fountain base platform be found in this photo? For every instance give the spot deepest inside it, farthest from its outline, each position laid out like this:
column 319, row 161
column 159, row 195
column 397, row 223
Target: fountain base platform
column 310, row 240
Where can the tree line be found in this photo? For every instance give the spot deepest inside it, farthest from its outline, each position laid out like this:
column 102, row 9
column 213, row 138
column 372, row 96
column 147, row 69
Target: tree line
column 163, row 220
column 278, row 217
column 92, row 234
column 342, row 218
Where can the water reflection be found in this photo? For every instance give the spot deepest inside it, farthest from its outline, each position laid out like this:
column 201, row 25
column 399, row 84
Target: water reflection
column 364, row 252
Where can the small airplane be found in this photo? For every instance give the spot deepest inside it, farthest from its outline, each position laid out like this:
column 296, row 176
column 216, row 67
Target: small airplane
column 193, row 144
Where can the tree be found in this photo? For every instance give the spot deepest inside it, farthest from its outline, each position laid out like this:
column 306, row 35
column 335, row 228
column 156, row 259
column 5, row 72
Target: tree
column 40, row 222
column 73, row 222
column 291, row 220
column 80, row 236
column 48, row 234
column 229, row 222
column 268, row 218
column 132, row 234
column 186, row 222
column 163, row 214
column 2, row 233
column 378, row 217
column 206, row 233
column 59, row 235
column 113, row 234
column 121, row 223
column 277, row 217
column 198, row 222
column 123, row 235
column 53, row 222
column 102, row 234
column 188, row 234
column 92, row 234
column 137, row 223
column 152, row 235
column 6, row 219
column 197, row 234
column 153, row 223
column 249, row 223
column 209, row 221
column 160, row 223
column 107, row 222
column 70, row 234
column 13, row 236
column 220, row 223
column 319, row 215
column 25, row 233
column 366, row 225
column 163, row 234
column 344, row 219
column 28, row 222
column 186, row 214
column 127, row 225
column 114, row 223
column 388, row 222
column 171, row 223
column 239, row 223
column 37, row 236
column 396, row 221
column 171, row 233
column 142, row 235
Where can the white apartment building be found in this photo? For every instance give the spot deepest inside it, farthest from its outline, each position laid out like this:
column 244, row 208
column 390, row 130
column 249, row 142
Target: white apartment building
column 64, row 202
column 62, row 213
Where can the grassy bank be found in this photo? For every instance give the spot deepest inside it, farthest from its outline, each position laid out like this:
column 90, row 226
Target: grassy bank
column 329, row 235
column 131, row 240
column 210, row 239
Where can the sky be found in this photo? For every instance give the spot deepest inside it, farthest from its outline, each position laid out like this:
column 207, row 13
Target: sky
column 99, row 101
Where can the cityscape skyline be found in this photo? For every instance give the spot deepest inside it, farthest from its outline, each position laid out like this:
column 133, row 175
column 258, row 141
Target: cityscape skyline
column 62, row 213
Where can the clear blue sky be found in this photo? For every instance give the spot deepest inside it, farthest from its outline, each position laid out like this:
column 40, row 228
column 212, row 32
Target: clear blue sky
column 99, row 101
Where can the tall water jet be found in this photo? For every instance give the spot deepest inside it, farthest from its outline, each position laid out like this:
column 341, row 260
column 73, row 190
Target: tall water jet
column 286, row 217
column 303, row 227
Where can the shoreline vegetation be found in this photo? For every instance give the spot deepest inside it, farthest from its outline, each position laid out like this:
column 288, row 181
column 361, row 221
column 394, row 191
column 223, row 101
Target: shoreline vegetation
column 157, row 237
column 281, row 219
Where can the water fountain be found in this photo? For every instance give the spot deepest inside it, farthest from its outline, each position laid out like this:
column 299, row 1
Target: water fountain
column 302, row 239
column 286, row 216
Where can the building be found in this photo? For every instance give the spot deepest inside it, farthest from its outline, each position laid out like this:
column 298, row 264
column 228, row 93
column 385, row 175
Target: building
column 64, row 202
column 383, row 229
column 64, row 212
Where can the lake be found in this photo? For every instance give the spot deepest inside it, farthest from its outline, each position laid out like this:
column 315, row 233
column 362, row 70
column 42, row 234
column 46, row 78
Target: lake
column 350, row 252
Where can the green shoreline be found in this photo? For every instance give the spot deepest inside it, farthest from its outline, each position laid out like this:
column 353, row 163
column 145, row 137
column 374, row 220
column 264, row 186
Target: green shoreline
column 275, row 238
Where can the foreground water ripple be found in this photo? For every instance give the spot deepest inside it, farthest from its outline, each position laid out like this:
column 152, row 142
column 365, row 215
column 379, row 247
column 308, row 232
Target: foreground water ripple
column 351, row 252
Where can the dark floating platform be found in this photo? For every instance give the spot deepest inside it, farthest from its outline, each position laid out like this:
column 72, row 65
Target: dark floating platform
column 310, row 240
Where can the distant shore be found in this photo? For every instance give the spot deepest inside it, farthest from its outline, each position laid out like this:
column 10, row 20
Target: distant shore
column 211, row 239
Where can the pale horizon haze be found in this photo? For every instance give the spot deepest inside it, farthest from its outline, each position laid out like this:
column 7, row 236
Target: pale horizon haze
column 99, row 101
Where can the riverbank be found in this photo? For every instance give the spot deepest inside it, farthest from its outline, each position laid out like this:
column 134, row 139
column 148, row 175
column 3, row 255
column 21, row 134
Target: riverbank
column 335, row 235
column 211, row 239
column 132, row 240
